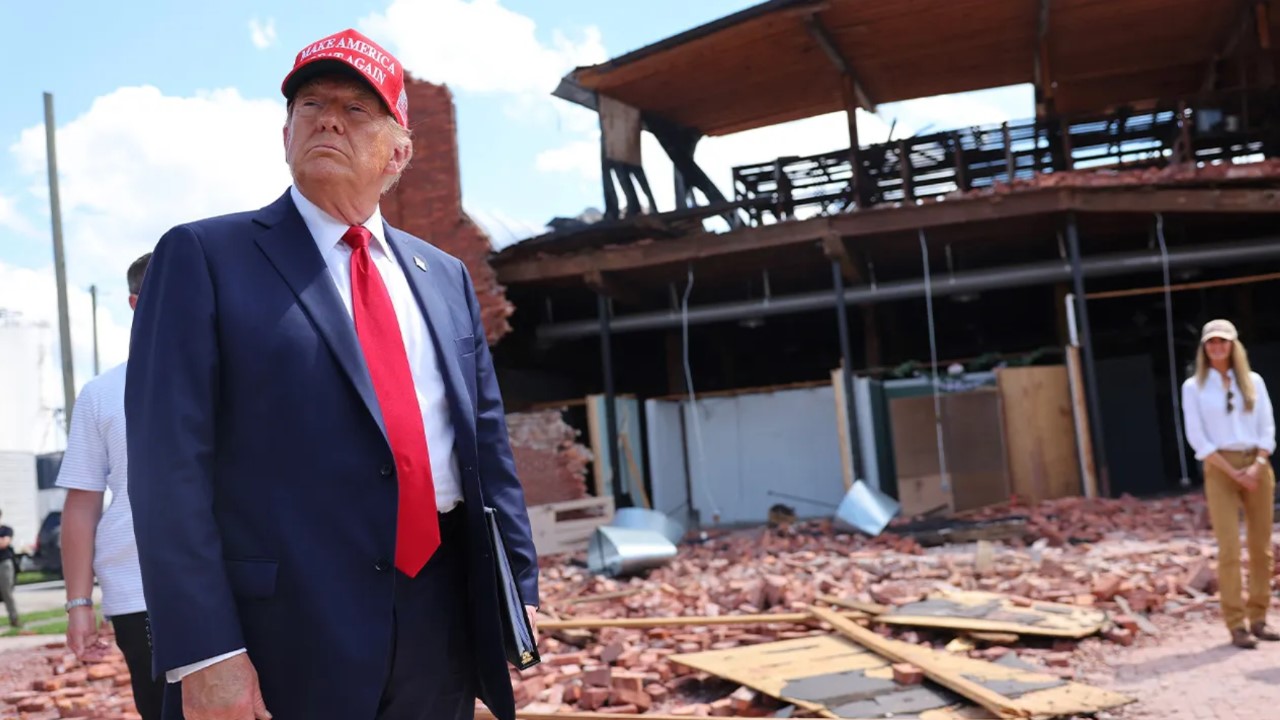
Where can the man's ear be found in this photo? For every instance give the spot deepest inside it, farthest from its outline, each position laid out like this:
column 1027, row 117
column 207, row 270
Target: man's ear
column 399, row 158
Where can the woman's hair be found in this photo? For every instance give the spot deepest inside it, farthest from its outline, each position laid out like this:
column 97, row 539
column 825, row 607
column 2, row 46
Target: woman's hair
column 1239, row 363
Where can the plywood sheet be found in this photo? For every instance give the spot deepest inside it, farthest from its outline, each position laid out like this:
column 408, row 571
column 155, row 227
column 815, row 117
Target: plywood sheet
column 1040, row 432
column 974, row 435
column 620, row 125
column 833, row 672
column 992, row 612
column 973, row 441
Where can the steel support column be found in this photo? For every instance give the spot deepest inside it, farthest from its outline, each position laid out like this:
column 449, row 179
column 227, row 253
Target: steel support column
column 620, row 498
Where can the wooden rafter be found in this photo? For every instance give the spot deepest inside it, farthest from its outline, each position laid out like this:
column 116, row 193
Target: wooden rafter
column 821, row 35
column 1246, row 17
column 1043, row 64
column 835, row 249
column 610, row 286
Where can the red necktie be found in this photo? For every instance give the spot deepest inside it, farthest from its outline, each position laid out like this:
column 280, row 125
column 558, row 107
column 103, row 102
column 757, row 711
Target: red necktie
column 417, row 527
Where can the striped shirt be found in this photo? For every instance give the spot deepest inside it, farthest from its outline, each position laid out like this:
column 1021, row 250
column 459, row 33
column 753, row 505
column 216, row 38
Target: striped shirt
column 95, row 460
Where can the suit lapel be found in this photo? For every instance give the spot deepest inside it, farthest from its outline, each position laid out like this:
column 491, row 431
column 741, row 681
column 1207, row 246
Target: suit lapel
column 424, row 275
column 289, row 246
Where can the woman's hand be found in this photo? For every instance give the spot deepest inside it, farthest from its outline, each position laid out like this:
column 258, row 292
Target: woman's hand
column 1248, row 478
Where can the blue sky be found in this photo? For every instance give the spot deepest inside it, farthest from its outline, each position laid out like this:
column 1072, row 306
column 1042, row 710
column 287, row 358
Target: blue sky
column 171, row 111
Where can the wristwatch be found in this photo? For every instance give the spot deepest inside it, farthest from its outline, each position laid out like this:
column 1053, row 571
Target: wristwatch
column 78, row 602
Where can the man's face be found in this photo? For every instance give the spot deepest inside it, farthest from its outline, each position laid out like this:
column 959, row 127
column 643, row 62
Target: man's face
column 339, row 136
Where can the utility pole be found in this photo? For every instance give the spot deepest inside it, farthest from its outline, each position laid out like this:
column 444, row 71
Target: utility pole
column 93, row 295
column 59, row 263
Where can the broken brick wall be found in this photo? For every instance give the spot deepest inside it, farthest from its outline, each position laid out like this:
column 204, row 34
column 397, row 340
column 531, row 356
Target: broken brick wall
column 550, row 461
column 427, row 202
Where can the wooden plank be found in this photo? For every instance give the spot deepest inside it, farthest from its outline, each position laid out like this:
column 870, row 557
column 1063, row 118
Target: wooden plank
column 684, row 621
column 1002, row 706
column 1056, row 620
column 1088, row 472
column 484, row 712
column 1039, row 434
column 865, row 607
column 842, row 428
column 554, row 532
column 595, row 433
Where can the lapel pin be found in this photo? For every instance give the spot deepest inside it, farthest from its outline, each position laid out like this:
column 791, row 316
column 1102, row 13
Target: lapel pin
column 421, row 265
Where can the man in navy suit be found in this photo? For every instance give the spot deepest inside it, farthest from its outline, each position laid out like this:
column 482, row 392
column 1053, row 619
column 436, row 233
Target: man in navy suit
column 314, row 431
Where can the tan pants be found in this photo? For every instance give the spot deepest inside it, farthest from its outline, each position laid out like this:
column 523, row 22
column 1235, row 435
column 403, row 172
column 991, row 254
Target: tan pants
column 1226, row 497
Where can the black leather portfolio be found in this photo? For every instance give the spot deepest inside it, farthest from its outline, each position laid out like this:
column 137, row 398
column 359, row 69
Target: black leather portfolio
column 521, row 648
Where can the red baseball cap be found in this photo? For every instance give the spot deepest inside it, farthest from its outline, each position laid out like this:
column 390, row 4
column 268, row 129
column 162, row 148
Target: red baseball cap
column 349, row 52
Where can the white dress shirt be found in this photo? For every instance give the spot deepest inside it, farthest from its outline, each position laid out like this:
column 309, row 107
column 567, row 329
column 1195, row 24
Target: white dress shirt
column 424, row 364
column 96, row 461
column 1211, row 428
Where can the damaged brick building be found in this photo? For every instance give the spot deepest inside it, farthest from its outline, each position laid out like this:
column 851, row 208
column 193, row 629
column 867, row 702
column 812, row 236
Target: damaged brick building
column 959, row 317
column 428, row 203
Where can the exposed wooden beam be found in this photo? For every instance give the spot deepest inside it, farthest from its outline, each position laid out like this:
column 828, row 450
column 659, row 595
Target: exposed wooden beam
column 699, row 246
column 835, row 249
column 610, row 286
column 706, row 246
column 822, row 36
column 1042, row 61
column 1171, row 200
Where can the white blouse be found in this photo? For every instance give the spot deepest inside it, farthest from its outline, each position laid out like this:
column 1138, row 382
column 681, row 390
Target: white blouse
column 1211, row 428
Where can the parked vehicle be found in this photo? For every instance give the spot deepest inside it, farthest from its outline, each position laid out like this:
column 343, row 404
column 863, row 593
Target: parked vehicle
column 46, row 554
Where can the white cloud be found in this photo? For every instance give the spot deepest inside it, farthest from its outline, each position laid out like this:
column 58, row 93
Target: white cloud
column 950, row 112
column 480, row 46
column 139, row 162
column 502, row 229
column 136, row 163
column 32, row 295
column 579, row 156
column 717, row 156
column 11, row 219
column 262, row 35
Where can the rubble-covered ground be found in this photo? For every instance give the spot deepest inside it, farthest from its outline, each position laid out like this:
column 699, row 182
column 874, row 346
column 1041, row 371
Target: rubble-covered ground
column 1158, row 556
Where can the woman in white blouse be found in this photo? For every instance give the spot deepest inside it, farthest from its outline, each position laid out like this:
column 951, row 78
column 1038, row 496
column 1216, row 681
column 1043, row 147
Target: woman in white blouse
column 1231, row 427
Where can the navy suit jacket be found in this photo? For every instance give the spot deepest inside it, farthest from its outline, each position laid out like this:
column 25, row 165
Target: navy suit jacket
column 259, row 470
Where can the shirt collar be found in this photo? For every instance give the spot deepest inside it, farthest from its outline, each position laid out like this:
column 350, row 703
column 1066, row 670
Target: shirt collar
column 327, row 230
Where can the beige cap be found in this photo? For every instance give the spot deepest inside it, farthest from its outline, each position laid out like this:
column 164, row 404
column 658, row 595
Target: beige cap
column 1218, row 329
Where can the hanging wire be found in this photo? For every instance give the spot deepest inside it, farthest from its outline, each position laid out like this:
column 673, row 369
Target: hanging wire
column 693, row 399
column 1174, row 389
column 933, row 356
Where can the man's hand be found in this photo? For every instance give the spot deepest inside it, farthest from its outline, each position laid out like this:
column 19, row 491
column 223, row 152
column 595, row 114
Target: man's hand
column 227, row 690
column 82, row 635
column 532, row 612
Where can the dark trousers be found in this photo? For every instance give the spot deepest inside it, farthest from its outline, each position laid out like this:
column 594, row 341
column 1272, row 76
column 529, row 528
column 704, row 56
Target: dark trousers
column 133, row 636
column 431, row 671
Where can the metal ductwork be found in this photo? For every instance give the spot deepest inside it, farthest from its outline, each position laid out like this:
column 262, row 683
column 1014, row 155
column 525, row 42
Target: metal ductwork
column 952, row 284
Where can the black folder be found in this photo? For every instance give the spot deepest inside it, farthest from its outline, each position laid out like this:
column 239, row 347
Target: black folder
column 517, row 633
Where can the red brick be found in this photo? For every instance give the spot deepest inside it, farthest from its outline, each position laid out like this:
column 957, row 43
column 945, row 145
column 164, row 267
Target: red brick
column 907, row 674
